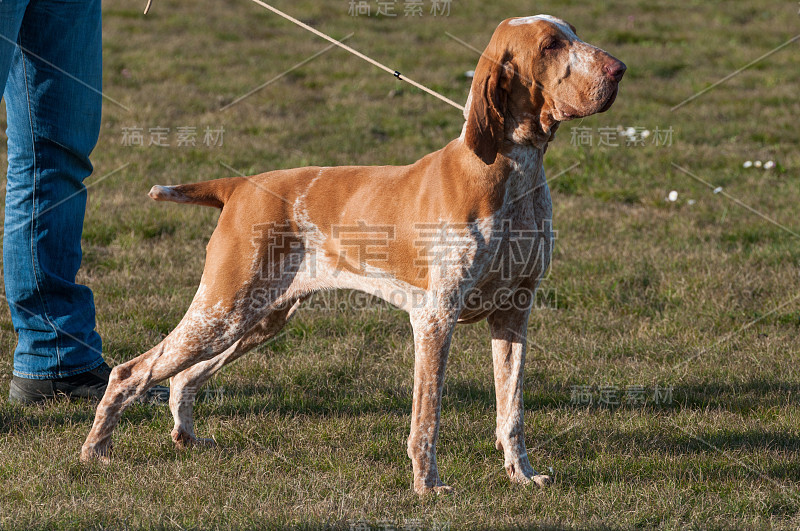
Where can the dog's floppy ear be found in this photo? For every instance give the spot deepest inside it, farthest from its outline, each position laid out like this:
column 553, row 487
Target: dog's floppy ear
column 487, row 109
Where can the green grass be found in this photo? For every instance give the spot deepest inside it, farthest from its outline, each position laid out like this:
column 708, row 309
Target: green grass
column 312, row 428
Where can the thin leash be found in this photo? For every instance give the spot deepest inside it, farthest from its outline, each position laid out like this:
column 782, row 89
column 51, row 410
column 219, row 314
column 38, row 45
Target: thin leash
column 366, row 58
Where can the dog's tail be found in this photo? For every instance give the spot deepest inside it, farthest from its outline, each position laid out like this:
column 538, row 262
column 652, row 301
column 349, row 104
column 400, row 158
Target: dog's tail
column 209, row 193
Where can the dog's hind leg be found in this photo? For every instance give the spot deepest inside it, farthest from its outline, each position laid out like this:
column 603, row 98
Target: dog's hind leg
column 246, row 276
column 184, row 385
column 206, row 330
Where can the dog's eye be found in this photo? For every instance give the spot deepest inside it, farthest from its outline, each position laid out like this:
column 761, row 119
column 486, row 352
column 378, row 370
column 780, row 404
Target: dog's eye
column 552, row 45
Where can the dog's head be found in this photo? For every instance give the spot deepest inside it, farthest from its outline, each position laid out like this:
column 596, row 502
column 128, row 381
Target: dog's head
column 534, row 74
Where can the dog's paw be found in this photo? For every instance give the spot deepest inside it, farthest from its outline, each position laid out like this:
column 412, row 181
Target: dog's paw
column 96, row 454
column 528, row 476
column 184, row 440
column 443, row 490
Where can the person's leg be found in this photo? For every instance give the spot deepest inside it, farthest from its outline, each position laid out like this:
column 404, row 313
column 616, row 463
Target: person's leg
column 53, row 103
column 11, row 13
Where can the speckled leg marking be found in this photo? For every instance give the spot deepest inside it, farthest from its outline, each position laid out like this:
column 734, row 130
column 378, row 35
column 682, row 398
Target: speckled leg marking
column 184, row 385
column 431, row 344
column 509, row 330
column 204, row 332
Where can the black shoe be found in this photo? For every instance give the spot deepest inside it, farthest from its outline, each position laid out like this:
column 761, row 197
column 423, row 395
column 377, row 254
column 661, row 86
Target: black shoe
column 91, row 384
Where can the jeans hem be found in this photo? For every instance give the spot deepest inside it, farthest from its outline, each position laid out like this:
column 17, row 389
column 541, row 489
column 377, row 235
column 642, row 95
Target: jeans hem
column 51, row 375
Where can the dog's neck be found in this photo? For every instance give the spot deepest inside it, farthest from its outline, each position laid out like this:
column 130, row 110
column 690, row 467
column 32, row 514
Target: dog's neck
column 534, row 128
column 527, row 135
column 519, row 163
column 526, row 158
column 526, row 170
column 517, row 169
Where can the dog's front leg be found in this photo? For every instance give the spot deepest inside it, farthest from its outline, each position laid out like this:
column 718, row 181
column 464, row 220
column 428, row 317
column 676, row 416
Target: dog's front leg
column 509, row 331
column 431, row 345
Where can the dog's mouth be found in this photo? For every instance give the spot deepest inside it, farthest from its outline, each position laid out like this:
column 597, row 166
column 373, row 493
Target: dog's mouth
column 564, row 111
column 610, row 100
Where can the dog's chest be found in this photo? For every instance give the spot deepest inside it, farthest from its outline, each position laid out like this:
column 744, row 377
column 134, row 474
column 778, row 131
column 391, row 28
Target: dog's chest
column 518, row 236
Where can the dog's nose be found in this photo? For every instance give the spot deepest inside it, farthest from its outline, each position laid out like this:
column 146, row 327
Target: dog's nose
column 615, row 69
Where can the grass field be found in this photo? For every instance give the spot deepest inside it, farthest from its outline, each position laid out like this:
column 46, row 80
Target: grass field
column 689, row 306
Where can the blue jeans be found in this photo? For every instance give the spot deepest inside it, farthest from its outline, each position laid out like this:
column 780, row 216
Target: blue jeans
column 51, row 68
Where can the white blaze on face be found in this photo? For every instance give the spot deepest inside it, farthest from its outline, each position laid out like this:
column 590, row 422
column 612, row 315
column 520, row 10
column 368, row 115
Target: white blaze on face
column 562, row 25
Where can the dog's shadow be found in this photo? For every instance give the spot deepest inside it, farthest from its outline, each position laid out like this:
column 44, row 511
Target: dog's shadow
column 460, row 395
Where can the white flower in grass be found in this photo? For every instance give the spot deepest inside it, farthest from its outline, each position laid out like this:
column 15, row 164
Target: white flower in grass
column 769, row 164
column 757, row 164
column 673, row 196
column 747, row 164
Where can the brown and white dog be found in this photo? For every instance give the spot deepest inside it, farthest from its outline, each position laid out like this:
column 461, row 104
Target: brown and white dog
column 463, row 234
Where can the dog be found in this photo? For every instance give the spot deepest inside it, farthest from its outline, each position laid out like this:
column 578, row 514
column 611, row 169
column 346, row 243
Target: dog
column 463, row 234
